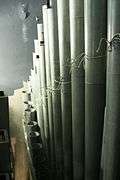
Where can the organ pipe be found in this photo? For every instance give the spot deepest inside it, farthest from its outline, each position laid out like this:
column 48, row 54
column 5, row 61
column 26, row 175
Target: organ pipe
column 65, row 78
column 112, row 136
column 95, row 30
column 56, row 99
column 78, row 86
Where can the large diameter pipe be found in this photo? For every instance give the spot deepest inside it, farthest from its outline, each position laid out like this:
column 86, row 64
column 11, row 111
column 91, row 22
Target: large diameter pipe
column 48, row 81
column 95, row 30
column 78, row 86
column 64, row 54
column 56, row 98
column 43, row 84
column 112, row 136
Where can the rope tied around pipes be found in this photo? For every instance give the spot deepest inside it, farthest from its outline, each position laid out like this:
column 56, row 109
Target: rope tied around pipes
column 58, row 89
column 114, row 43
column 80, row 60
column 74, row 63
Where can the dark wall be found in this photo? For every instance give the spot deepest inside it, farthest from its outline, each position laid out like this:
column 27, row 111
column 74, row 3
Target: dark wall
column 17, row 32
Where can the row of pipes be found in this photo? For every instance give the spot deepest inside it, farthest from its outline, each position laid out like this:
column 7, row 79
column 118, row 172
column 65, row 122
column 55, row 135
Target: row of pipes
column 75, row 84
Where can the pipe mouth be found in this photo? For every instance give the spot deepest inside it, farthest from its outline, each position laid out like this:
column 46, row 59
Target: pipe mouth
column 32, row 123
column 34, row 134
column 34, row 137
column 27, row 110
column 23, row 91
column 38, row 146
column 37, row 56
column 32, row 126
column 32, row 107
column 33, row 113
column 33, row 110
column 26, row 102
column 29, row 103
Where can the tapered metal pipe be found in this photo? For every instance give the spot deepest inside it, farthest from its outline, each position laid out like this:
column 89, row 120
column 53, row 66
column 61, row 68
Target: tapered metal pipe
column 95, row 29
column 33, row 86
column 49, row 94
column 112, row 138
column 36, row 46
column 56, row 99
column 39, row 105
column 64, row 54
column 36, row 67
column 43, row 84
column 78, row 86
column 35, row 79
column 36, row 84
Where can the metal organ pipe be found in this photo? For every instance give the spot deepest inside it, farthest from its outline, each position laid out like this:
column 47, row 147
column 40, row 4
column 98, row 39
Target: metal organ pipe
column 112, row 136
column 39, row 105
column 95, row 30
column 65, row 78
column 43, row 85
column 49, row 94
column 78, row 86
column 56, row 98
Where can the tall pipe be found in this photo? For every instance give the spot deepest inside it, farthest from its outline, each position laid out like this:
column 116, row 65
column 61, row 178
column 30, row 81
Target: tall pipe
column 64, row 54
column 36, row 84
column 39, row 105
column 95, row 30
column 33, row 86
column 48, row 80
column 30, row 80
column 43, row 84
column 56, row 99
column 78, row 86
column 112, row 136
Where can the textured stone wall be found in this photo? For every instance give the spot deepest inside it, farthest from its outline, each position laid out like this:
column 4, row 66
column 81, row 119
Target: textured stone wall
column 16, row 114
